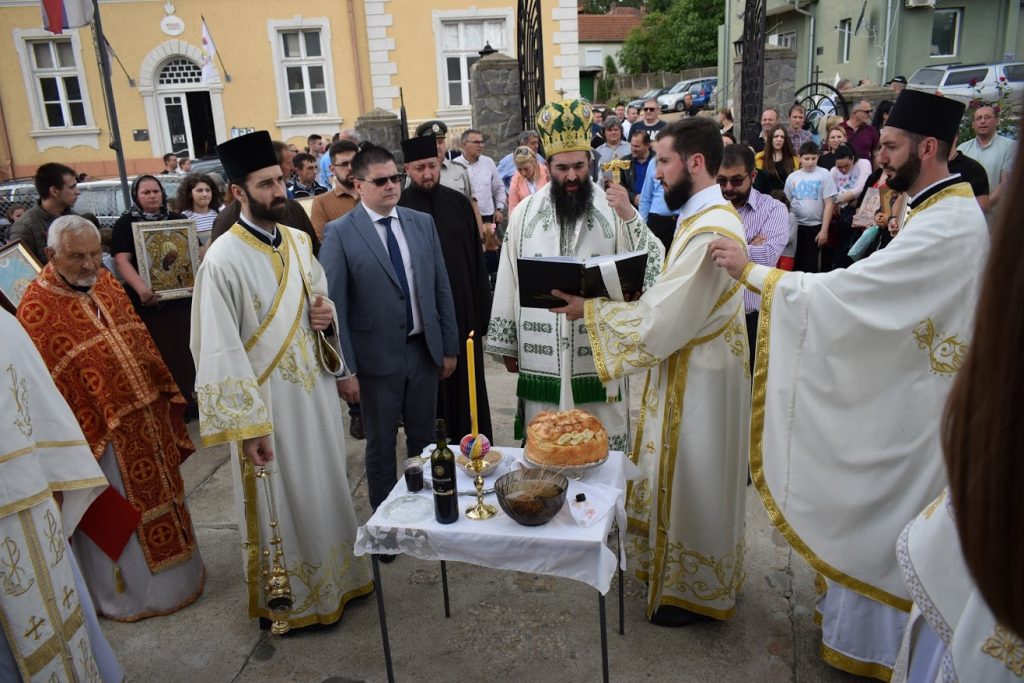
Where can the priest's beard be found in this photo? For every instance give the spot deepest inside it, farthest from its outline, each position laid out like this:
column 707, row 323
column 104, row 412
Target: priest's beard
column 902, row 178
column 427, row 186
column 275, row 211
column 571, row 199
column 678, row 194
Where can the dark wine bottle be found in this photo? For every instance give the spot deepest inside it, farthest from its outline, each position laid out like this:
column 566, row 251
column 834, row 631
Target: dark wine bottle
column 442, row 470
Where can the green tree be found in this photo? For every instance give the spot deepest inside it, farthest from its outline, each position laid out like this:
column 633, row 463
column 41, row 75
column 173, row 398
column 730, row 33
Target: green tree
column 683, row 36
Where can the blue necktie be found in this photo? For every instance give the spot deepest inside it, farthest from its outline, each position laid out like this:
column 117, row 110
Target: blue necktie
column 399, row 265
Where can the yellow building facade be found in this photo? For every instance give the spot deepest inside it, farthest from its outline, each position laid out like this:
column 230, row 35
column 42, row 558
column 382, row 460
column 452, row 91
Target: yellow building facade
column 292, row 74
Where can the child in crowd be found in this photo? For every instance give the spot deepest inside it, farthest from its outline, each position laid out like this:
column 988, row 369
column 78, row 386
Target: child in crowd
column 811, row 193
column 786, row 258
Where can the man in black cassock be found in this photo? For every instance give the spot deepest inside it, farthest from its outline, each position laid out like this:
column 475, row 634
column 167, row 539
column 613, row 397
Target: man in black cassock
column 467, row 272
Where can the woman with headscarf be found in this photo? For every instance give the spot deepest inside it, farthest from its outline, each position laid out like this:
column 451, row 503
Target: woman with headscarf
column 168, row 321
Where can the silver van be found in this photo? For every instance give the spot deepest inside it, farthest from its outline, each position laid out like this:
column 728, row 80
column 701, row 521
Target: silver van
column 954, row 80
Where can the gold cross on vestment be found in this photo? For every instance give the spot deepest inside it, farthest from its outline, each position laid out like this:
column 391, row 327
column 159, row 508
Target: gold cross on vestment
column 34, row 623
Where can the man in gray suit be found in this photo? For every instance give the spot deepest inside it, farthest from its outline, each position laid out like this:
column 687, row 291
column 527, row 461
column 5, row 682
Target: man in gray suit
column 387, row 278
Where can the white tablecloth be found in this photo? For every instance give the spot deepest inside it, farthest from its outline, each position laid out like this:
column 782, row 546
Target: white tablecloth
column 559, row 548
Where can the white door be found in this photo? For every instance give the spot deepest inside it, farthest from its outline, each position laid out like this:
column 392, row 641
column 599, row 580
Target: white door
column 177, row 126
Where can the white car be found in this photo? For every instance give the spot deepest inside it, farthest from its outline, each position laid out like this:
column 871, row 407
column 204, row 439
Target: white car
column 954, row 81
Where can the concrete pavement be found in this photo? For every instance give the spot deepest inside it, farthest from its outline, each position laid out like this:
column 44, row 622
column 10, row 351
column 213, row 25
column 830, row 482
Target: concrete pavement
column 503, row 624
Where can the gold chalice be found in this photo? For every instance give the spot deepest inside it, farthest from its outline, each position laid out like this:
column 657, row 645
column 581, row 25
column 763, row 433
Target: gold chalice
column 476, row 463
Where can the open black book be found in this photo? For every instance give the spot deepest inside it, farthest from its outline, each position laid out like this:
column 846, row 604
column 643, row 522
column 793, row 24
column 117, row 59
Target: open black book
column 539, row 275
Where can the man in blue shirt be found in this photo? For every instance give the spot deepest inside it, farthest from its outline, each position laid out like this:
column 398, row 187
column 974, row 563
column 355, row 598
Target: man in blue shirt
column 655, row 212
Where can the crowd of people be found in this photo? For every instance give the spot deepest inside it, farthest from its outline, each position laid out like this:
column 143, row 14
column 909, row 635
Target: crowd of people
column 771, row 333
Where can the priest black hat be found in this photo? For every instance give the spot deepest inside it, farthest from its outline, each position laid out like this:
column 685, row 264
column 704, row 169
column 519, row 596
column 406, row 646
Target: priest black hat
column 922, row 113
column 247, row 153
column 415, row 149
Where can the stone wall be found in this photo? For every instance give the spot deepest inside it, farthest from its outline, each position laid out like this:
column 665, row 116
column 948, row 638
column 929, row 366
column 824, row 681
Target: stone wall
column 779, row 82
column 382, row 128
column 494, row 87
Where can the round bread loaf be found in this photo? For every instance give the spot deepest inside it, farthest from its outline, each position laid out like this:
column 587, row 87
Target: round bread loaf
column 566, row 438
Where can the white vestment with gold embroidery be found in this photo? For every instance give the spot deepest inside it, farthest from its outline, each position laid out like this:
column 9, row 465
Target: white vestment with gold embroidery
column 688, row 333
column 556, row 366
column 49, row 625
column 851, row 374
column 256, row 374
column 948, row 607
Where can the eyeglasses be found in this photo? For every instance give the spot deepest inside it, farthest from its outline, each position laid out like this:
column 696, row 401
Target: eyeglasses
column 650, row 109
column 397, row 179
column 863, row 111
column 735, row 181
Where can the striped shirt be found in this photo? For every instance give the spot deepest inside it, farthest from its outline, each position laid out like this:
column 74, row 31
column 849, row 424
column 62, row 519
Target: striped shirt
column 204, row 223
column 765, row 216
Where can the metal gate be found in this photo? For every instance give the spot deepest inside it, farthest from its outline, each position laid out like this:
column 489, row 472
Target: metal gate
column 530, row 44
column 820, row 100
column 752, row 68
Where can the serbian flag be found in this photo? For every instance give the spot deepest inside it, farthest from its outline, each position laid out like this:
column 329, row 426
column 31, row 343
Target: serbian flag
column 209, row 52
column 61, row 14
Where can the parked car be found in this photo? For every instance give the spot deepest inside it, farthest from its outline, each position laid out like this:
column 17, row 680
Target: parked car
column 700, row 89
column 954, row 80
column 652, row 93
column 104, row 198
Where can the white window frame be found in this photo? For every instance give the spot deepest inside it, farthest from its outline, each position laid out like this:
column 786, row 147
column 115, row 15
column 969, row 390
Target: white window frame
column 959, row 13
column 306, row 124
column 589, row 52
column 461, row 114
column 786, row 40
column 45, row 136
column 845, row 34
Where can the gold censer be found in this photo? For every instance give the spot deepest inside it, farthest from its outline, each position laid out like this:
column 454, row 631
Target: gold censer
column 278, row 587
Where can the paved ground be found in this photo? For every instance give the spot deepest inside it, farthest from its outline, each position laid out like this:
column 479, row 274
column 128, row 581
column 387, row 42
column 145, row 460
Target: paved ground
column 503, row 624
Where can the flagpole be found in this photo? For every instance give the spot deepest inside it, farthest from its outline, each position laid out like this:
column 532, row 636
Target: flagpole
column 227, row 76
column 108, row 92
column 131, row 81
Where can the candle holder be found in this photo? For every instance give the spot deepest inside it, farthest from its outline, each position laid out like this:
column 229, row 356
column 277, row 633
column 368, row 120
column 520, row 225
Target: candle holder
column 278, row 587
column 481, row 510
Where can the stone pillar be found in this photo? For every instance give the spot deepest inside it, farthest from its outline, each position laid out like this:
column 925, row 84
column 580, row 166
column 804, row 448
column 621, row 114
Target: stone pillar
column 494, row 88
column 779, row 83
column 383, row 129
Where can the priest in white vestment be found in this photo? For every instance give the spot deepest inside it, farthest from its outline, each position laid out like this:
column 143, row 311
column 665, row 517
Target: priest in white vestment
column 48, row 478
column 266, row 384
column 688, row 334
column 570, row 216
column 961, row 558
column 852, row 370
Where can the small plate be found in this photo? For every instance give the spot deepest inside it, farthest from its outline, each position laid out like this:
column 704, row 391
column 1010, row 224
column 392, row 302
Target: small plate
column 409, row 510
column 567, row 469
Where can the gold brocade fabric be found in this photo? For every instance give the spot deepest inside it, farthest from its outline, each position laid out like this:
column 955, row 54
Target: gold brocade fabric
column 106, row 366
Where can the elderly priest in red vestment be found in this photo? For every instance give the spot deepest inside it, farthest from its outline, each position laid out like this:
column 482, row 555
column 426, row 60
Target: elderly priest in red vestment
column 136, row 545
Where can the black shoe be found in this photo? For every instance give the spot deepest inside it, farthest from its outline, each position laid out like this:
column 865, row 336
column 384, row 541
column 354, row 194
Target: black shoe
column 386, row 559
column 265, row 624
column 675, row 617
column 356, row 428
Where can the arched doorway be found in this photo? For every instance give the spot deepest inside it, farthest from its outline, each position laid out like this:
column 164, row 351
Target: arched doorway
column 185, row 115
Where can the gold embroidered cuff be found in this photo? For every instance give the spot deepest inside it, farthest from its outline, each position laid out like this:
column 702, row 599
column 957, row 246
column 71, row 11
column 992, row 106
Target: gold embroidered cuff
column 237, row 434
column 743, row 278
